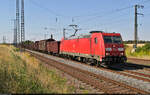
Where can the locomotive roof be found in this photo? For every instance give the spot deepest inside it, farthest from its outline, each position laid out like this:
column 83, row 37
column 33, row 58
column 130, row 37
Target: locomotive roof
column 89, row 35
column 111, row 34
column 96, row 32
column 48, row 40
column 81, row 36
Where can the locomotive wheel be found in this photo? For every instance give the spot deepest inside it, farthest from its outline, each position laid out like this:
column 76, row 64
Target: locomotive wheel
column 84, row 60
column 92, row 64
column 104, row 65
column 81, row 59
column 89, row 63
column 98, row 63
column 70, row 57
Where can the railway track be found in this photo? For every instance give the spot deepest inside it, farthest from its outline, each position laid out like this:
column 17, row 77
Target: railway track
column 146, row 60
column 144, row 63
column 102, row 83
column 132, row 74
column 133, row 70
column 128, row 73
column 139, row 61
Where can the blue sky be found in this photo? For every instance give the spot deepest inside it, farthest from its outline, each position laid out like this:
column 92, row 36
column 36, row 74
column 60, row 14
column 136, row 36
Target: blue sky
column 106, row 15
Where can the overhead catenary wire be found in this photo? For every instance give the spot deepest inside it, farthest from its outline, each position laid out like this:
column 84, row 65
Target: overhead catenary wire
column 51, row 12
column 73, row 18
column 116, row 17
column 107, row 13
column 98, row 14
column 94, row 14
column 143, row 2
column 114, row 22
column 104, row 14
column 114, row 11
column 47, row 9
column 117, row 21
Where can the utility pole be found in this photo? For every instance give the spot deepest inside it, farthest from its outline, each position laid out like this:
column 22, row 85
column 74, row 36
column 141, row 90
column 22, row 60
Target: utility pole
column 136, row 25
column 135, row 28
column 15, row 33
column 22, row 22
column 17, row 22
column 45, row 36
column 4, row 39
column 64, row 32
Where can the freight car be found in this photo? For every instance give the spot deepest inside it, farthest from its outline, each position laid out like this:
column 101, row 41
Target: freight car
column 53, row 47
column 31, row 46
column 36, row 45
column 96, row 48
column 43, row 44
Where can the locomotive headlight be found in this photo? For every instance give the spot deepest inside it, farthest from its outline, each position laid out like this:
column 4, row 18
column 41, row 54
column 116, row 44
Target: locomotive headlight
column 121, row 54
column 120, row 49
column 108, row 49
column 107, row 54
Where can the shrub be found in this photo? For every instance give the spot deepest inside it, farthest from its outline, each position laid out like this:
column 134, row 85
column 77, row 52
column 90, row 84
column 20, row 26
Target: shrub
column 146, row 47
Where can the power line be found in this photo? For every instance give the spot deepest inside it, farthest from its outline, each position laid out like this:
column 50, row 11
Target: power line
column 106, row 14
column 73, row 18
column 143, row 2
column 86, row 15
column 97, row 14
column 118, row 21
column 46, row 9
column 114, row 19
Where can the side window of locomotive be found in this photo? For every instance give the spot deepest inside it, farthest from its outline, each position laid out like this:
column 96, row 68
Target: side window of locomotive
column 96, row 41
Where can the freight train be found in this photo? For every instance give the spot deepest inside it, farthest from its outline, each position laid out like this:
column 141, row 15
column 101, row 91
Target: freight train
column 97, row 48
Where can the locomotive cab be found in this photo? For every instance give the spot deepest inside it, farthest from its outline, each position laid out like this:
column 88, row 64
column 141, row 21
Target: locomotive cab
column 107, row 48
column 114, row 48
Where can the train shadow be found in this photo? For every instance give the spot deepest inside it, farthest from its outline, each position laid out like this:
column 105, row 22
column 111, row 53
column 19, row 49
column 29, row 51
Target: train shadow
column 128, row 66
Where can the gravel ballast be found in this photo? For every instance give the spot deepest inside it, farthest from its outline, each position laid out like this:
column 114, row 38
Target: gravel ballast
column 117, row 77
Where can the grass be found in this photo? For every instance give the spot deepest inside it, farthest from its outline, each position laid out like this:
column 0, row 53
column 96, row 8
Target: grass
column 141, row 52
column 22, row 73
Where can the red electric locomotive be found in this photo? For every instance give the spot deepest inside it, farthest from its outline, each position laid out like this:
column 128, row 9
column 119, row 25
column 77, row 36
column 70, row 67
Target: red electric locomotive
column 97, row 47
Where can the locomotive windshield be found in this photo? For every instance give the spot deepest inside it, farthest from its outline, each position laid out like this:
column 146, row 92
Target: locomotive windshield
column 113, row 39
